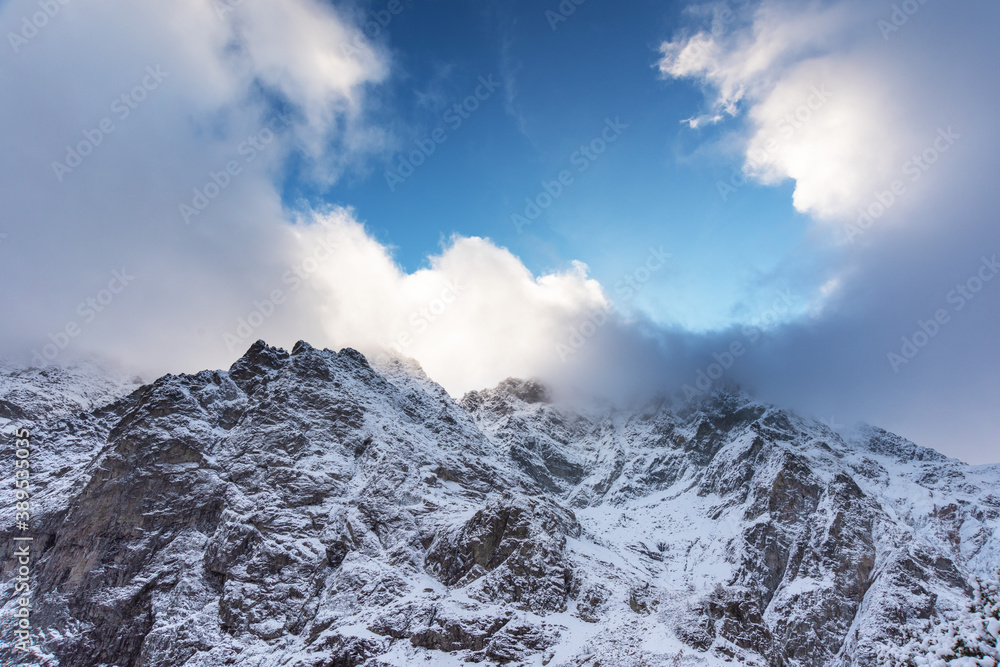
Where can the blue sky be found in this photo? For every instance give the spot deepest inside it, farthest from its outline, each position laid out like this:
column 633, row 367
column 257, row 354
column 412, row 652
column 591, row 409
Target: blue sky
column 655, row 185
column 858, row 139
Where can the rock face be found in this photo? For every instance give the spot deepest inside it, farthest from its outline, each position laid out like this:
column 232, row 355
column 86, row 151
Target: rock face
column 306, row 509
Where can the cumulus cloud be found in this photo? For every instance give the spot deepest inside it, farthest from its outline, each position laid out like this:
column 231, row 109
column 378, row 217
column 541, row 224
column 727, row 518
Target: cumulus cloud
column 473, row 317
column 150, row 227
column 148, row 139
column 833, row 100
column 161, row 240
column 882, row 123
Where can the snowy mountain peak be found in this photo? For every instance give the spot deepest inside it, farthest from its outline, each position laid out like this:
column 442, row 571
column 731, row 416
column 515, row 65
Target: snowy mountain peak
column 306, row 508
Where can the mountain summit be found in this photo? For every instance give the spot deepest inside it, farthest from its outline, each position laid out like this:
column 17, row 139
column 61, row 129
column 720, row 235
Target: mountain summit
column 307, row 509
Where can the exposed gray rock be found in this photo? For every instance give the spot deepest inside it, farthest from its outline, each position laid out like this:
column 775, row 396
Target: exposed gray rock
column 307, row 509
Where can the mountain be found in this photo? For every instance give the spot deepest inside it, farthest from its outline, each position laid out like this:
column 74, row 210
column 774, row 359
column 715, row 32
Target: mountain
column 306, row 509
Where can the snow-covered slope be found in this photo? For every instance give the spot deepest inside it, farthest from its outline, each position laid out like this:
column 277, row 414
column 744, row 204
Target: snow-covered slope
column 307, row 509
column 56, row 391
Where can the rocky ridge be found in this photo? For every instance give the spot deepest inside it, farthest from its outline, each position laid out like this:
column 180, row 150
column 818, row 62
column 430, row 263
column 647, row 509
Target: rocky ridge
column 306, row 509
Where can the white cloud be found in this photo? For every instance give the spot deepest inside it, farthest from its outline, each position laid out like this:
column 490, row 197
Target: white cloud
column 473, row 317
column 235, row 266
column 228, row 66
column 876, row 110
column 222, row 78
column 892, row 96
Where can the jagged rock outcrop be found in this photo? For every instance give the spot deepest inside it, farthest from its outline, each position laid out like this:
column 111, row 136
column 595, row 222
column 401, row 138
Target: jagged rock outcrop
column 304, row 508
